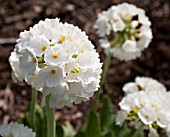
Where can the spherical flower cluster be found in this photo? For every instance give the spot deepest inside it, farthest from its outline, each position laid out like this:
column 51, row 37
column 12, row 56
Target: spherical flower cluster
column 130, row 28
column 58, row 59
column 15, row 130
column 149, row 106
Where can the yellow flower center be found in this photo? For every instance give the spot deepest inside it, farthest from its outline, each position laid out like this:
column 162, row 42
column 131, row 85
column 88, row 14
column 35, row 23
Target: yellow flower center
column 34, row 60
column 154, row 105
column 63, row 38
column 159, row 119
column 55, row 56
column 147, row 116
column 75, row 70
column 53, row 72
column 119, row 27
column 43, row 48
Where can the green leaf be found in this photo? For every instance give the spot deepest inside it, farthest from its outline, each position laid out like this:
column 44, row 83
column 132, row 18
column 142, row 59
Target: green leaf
column 93, row 125
column 59, row 131
column 68, row 130
column 106, row 117
column 80, row 134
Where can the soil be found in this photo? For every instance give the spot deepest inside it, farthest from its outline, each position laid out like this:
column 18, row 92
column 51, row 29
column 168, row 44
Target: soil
column 18, row 15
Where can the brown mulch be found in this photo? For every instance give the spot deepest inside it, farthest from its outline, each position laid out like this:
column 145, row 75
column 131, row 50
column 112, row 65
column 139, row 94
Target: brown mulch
column 18, row 15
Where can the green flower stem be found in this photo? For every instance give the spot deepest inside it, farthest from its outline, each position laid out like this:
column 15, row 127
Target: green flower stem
column 33, row 108
column 50, row 114
column 138, row 132
column 105, row 68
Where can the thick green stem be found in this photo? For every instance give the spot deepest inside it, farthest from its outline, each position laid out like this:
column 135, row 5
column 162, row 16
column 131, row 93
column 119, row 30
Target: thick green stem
column 138, row 131
column 50, row 114
column 33, row 108
column 105, row 68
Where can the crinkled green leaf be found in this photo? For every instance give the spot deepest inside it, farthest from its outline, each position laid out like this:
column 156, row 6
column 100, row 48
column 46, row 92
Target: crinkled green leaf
column 93, row 125
column 106, row 117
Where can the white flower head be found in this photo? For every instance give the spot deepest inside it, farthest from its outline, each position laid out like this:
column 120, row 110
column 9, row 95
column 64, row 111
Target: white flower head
column 146, row 101
column 16, row 130
column 59, row 55
column 130, row 28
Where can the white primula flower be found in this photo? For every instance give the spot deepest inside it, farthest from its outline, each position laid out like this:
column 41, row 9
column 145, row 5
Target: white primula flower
column 130, row 87
column 147, row 115
column 60, row 96
column 120, row 117
column 16, row 130
column 103, row 25
column 149, row 84
column 39, row 44
column 163, row 119
column 130, row 29
column 143, row 84
column 128, row 103
column 52, row 54
column 51, row 76
column 104, row 43
column 129, row 46
column 28, row 62
column 118, row 26
column 17, row 73
column 34, row 81
column 147, row 101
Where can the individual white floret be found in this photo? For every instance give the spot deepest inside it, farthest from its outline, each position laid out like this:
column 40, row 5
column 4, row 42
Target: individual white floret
column 149, row 84
column 143, row 84
column 39, row 44
column 34, row 81
column 130, row 87
column 54, row 55
column 130, row 46
column 16, row 130
column 59, row 96
column 103, row 25
column 120, row 117
column 118, row 26
column 17, row 73
column 163, row 119
column 51, row 76
column 147, row 115
column 28, row 62
column 128, row 103
column 104, row 43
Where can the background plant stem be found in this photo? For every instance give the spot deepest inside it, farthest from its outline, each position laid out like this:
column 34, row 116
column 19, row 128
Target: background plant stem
column 138, row 131
column 33, row 108
column 50, row 114
column 105, row 68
